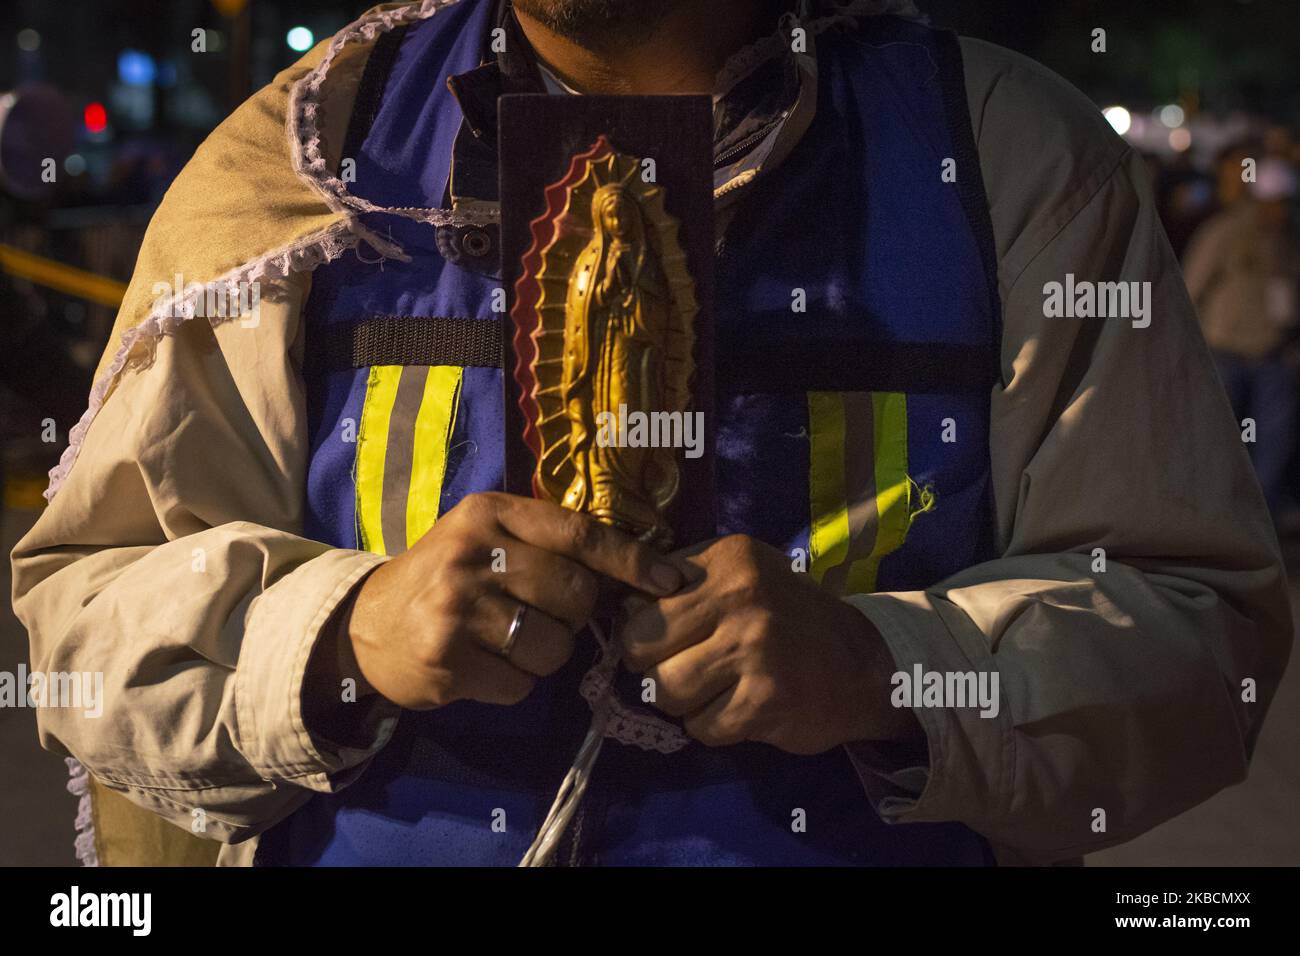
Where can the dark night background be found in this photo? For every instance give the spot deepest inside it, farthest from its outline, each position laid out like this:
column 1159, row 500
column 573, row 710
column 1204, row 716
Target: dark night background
column 1237, row 53
column 1231, row 54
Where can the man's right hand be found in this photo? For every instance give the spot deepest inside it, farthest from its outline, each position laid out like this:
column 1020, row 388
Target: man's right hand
column 427, row 627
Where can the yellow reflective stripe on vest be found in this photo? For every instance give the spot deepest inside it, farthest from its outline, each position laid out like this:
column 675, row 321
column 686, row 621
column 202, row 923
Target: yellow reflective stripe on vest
column 828, row 539
column 372, row 450
column 406, row 424
column 859, row 487
column 893, row 485
column 433, row 430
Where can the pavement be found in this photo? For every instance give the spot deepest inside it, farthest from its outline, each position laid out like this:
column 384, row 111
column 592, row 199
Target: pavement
column 1254, row 823
column 36, row 810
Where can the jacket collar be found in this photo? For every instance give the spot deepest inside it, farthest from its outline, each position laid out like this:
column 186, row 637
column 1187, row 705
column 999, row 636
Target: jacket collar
column 762, row 87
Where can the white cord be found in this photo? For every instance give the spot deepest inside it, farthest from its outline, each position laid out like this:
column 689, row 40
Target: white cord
column 571, row 791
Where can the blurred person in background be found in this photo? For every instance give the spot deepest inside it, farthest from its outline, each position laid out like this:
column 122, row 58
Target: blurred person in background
column 1188, row 197
column 1242, row 268
column 1230, row 184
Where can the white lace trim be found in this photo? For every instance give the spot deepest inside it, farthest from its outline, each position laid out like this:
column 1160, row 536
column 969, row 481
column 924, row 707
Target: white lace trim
column 138, row 343
column 79, row 786
column 305, row 255
column 623, row 724
column 305, row 136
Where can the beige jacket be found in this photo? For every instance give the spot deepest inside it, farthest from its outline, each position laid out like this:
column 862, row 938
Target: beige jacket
column 172, row 560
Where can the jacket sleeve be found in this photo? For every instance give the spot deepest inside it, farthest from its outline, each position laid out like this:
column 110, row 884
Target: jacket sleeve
column 1137, row 619
column 172, row 562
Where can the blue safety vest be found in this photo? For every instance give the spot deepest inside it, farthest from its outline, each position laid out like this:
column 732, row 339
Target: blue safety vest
column 852, row 434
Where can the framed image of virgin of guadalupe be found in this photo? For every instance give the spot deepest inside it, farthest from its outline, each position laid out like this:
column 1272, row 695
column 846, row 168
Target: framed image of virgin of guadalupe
column 607, row 254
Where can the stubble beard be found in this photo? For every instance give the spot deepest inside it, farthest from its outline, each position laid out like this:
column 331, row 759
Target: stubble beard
column 600, row 25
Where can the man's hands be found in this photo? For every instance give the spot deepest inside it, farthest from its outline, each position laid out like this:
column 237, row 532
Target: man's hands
column 748, row 650
column 426, row 627
column 755, row 651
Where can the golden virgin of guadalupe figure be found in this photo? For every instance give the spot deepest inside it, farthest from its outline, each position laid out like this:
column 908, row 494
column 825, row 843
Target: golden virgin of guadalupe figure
column 621, row 315
column 616, row 327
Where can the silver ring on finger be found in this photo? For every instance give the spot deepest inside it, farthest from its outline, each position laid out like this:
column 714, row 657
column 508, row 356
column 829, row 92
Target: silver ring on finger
column 512, row 635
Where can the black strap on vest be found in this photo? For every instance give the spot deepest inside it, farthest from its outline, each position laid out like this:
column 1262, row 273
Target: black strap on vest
column 370, row 94
column 394, row 339
column 970, row 180
column 409, row 340
column 804, row 366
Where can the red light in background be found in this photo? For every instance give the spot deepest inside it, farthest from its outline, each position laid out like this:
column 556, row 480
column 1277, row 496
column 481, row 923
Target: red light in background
column 96, row 118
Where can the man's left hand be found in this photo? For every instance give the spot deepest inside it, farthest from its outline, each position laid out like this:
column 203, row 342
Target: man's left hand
column 753, row 650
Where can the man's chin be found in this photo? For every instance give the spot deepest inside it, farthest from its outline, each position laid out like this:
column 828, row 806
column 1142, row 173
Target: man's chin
column 598, row 24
